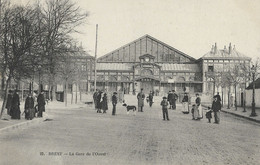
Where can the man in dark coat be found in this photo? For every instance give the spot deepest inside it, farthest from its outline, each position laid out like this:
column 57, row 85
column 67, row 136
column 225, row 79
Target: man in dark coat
column 150, row 98
column 95, row 98
column 41, row 104
column 140, row 99
column 104, row 103
column 29, row 107
column 216, row 107
column 218, row 97
column 9, row 102
column 15, row 106
column 114, row 102
column 169, row 98
column 174, row 99
column 99, row 102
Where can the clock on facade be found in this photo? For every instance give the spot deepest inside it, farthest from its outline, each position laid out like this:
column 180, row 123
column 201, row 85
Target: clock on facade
column 146, row 59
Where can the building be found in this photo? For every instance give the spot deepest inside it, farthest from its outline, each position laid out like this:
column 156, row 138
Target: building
column 156, row 66
column 249, row 94
column 149, row 64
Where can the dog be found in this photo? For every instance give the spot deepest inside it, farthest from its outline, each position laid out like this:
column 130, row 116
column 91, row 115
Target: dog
column 129, row 108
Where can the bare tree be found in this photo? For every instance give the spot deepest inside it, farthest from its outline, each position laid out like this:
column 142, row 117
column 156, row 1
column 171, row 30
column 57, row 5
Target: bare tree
column 18, row 39
column 60, row 17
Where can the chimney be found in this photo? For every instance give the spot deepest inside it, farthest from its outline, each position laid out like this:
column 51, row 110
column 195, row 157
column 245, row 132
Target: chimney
column 215, row 48
column 225, row 48
column 229, row 48
column 212, row 49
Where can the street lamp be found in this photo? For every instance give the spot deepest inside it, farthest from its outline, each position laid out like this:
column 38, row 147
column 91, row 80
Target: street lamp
column 253, row 69
column 39, row 67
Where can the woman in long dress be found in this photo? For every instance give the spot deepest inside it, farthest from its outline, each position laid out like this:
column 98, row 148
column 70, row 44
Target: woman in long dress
column 185, row 104
column 15, row 107
column 198, row 109
column 104, row 103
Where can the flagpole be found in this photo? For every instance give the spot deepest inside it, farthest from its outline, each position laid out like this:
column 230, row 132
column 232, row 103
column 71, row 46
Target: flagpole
column 95, row 76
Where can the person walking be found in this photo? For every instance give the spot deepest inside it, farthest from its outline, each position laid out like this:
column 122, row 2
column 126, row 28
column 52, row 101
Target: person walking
column 170, row 98
column 164, row 104
column 218, row 97
column 150, row 99
column 140, row 99
column 99, row 102
column 29, row 107
column 104, row 103
column 95, row 94
column 41, row 104
column 114, row 102
column 174, row 99
column 185, row 104
column 216, row 107
column 15, row 106
column 9, row 101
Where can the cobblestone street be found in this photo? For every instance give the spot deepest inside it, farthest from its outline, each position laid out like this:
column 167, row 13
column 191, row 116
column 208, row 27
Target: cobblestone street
column 81, row 136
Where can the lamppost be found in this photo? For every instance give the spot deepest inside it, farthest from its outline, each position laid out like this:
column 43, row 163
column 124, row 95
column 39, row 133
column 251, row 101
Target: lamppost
column 39, row 67
column 253, row 70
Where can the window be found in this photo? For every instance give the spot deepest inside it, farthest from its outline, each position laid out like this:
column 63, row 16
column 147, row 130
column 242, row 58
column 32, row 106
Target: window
column 210, row 68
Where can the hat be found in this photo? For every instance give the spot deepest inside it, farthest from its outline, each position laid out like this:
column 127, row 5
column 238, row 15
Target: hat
column 114, row 93
column 164, row 97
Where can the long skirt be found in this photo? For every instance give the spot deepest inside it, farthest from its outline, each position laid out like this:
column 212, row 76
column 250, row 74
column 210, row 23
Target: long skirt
column 185, row 107
column 198, row 112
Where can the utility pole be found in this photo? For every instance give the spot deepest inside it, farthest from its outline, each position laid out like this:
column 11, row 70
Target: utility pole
column 95, row 66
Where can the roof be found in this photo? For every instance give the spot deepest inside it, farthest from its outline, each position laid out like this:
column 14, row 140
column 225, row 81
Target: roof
column 114, row 66
column 152, row 38
column 257, row 84
column 180, row 67
column 225, row 54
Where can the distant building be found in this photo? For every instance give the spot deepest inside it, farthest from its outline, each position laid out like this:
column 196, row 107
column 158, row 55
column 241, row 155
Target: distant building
column 155, row 66
column 149, row 64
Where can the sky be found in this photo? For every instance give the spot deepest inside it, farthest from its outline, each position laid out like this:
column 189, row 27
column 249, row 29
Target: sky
column 191, row 26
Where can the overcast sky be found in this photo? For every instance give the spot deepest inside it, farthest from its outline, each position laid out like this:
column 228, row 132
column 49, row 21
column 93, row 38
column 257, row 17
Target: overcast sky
column 190, row 26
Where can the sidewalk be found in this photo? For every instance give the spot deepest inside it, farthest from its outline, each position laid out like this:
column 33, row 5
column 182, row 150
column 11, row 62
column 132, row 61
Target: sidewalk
column 8, row 124
column 239, row 112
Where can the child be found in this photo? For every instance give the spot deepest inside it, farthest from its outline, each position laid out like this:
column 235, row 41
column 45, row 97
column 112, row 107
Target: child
column 208, row 114
column 192, row 111
column 164, row 104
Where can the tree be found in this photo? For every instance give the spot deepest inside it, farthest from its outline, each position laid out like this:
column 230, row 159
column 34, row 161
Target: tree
column 60, row 18
column 17, row 42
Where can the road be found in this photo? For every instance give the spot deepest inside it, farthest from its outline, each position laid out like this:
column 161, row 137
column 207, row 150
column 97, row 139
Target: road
column 81, row 136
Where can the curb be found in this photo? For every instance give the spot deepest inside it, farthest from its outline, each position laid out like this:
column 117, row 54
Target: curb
column 245, row 117
column 22, row 124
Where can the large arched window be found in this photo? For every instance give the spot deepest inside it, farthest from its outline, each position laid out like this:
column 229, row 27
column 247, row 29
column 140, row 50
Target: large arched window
column 146, row 72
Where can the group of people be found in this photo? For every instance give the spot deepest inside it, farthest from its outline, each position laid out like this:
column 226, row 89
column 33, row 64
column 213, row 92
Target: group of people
column 101, row 102
column 196, row 110
column 30, row 110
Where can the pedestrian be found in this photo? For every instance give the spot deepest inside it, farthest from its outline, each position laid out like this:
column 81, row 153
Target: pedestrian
column 231, row 100
column 15, row 106
column 114, row 102
column 170, row 98
column 174, row 99
column 218, row 97
column 216, row 107
column 41, row 104
column 150, row 99
column 9, row 101
column 185, row 104
column 209, row 114
column 104, row 103
column 192, row 111
column 95, row 98
column 140, row 99
column 198, row 109
column 29, row 107
column 99, row 102
column 164, row 104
